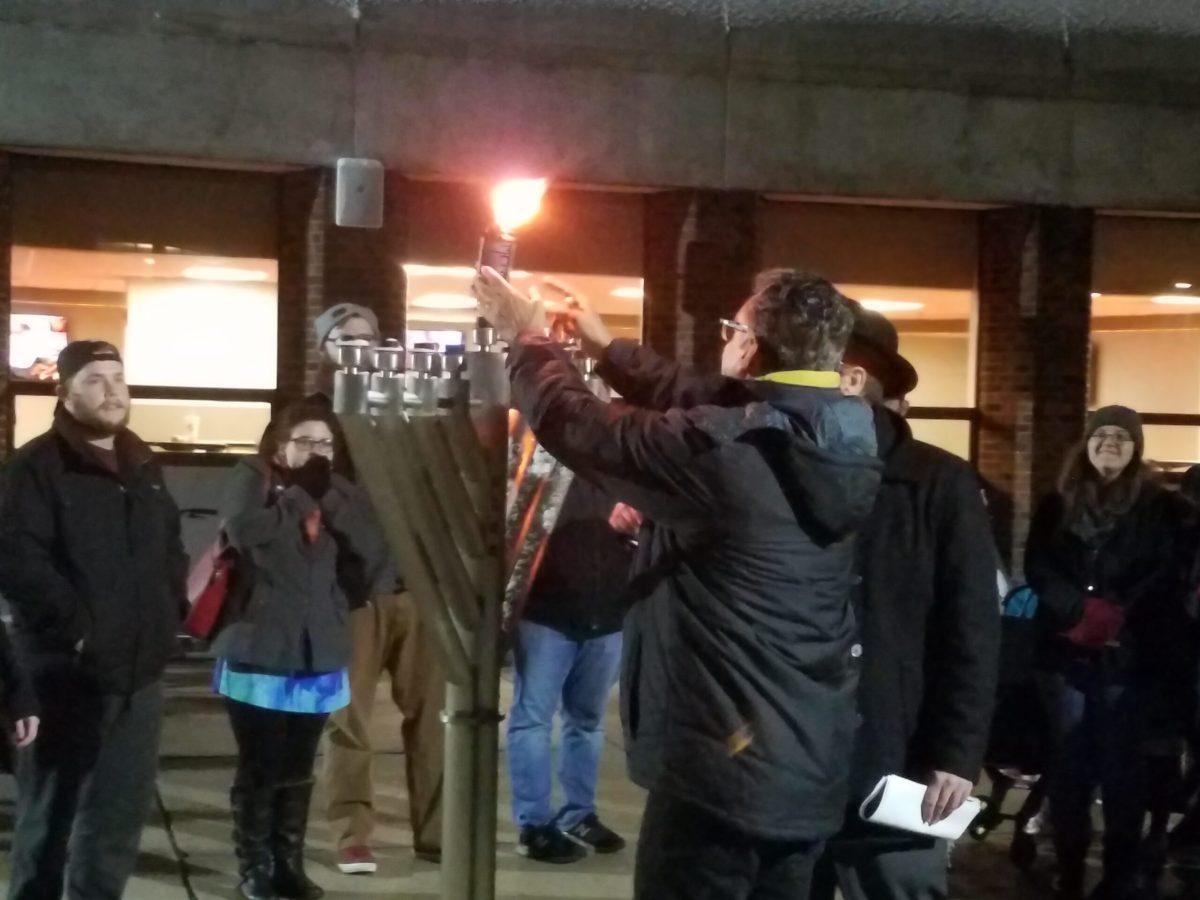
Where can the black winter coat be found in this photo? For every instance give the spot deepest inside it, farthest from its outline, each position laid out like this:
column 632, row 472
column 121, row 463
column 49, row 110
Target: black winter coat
column 89, row 555
column 737, row 687
column 1142, row 566
column 17, row 700
column 580, row 586
column 929, row 613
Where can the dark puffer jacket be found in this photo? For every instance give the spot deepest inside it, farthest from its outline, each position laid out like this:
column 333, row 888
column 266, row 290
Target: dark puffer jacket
column 738, row 681
column 295, row 619
column 94, row 556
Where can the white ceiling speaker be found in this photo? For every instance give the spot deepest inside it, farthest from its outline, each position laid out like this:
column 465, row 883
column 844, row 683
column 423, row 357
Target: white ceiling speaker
column 358, row 193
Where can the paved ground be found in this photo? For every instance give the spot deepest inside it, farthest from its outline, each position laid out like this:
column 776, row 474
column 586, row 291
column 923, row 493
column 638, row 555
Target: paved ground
column 186, row 853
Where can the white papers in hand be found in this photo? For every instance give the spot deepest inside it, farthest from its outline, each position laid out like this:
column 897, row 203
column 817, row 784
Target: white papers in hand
column 896, row 803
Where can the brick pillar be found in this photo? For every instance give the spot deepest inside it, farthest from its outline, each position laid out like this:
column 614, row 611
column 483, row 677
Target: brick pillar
column 321, row 264
column 303, row 205
column 701, row 255
column 6, row 232
column 1035, row 268
column 363, row 265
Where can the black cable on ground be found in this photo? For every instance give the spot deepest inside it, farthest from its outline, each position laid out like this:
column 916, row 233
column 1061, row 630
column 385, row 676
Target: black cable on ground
column 185, row 872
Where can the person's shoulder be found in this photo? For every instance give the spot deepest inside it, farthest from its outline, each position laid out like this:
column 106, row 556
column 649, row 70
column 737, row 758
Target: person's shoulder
column 41, row 451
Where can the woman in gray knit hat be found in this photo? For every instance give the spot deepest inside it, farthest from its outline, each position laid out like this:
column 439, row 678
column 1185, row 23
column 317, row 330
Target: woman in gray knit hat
column 1106, row 556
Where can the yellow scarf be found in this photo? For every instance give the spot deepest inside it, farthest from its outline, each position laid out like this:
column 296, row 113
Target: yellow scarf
column 805, row 378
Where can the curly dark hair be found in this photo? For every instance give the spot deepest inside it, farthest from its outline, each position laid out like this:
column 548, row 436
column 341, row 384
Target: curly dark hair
column 801, row 321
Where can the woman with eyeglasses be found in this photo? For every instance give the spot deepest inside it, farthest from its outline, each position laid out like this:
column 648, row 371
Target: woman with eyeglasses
column 305, row 539
column 1107, row 556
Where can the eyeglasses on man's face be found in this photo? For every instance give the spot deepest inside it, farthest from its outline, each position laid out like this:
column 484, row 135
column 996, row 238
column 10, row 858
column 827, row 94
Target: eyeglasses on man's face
column 729, row 328
column 313, row 445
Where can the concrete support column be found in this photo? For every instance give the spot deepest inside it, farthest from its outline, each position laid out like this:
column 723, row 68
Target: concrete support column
column 701, row 255
column 6, row 233
column 1035, row 266
column 321, row 264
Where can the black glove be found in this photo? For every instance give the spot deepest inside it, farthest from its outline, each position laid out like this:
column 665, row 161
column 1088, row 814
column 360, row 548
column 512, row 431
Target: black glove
column 314, row 476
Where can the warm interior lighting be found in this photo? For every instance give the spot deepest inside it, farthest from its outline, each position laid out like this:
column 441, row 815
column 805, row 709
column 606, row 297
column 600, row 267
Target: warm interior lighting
column 886, row 306
column 1096, row 295
column 516, row 201
column 1176, row 300
column 444, row 301
column 150, row 260
column 1183, row 285
column 448, row 271
column 223, row 273
column 628, row 292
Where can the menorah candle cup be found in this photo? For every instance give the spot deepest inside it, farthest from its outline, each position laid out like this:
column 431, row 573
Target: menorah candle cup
column 352, row 378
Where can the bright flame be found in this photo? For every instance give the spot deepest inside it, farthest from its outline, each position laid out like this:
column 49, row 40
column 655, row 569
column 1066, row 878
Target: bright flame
column 517, row 201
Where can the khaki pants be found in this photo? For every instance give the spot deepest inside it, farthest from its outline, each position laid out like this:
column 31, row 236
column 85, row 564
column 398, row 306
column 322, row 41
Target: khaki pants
column 387, row 638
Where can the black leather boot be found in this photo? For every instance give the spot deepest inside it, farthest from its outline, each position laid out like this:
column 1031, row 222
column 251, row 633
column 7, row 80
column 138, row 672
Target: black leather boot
column 291, row 824
column 252, row 814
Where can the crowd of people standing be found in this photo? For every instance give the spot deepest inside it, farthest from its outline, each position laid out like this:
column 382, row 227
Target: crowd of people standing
column 799, row 596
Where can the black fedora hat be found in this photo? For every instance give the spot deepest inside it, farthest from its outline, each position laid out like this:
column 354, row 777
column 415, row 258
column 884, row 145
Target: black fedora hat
column 875, row 345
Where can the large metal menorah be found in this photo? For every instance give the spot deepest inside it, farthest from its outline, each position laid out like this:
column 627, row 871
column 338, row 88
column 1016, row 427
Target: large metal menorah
column 432, row 448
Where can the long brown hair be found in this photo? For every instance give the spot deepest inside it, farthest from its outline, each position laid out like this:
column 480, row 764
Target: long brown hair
column 1083, row 489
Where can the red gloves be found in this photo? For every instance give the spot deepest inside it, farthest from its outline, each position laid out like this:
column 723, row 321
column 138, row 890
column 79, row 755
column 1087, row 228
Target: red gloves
column 1101, row 623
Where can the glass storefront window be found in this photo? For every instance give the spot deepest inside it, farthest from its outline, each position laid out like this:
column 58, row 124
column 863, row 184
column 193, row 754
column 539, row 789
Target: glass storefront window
column 1146, row 325
column 440, row 305
column 180, row 320
column 952, row 435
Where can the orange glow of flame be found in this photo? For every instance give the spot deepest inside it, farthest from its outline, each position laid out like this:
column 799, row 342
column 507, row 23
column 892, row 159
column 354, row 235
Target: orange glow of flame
column 517, row 201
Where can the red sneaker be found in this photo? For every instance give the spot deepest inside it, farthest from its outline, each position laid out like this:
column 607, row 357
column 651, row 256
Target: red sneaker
column 356, row 861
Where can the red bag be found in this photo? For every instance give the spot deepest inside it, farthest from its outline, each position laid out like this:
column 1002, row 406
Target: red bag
column 214, row 580
column 209, row 588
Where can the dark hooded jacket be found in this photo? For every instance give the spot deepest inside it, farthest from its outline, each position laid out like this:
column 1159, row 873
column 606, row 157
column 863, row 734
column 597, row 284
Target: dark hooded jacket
column 738, row 681
column 92, row 555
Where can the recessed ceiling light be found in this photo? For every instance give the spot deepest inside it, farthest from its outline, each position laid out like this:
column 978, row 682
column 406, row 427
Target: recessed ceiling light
column 1176, row 300
column 444, row 301
column 1096, row 295
column 444, row 271
column 886, row 306
column 1183, row 285
column 223, row 273
column 628, row 292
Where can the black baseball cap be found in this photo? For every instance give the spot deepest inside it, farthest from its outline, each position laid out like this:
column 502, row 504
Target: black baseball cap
column 78, row 354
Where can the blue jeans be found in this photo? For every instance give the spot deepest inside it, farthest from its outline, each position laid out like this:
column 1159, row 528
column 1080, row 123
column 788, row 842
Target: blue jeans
column 552, row 667
column 1097, row 739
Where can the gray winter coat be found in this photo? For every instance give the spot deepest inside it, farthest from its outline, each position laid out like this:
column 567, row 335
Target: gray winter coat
column 296, row 617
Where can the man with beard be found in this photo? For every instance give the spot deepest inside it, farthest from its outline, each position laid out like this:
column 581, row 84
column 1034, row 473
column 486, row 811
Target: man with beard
column 92, row 563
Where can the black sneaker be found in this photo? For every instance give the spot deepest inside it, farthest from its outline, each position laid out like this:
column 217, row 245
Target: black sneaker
column 547, row 844
column 590, row 832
